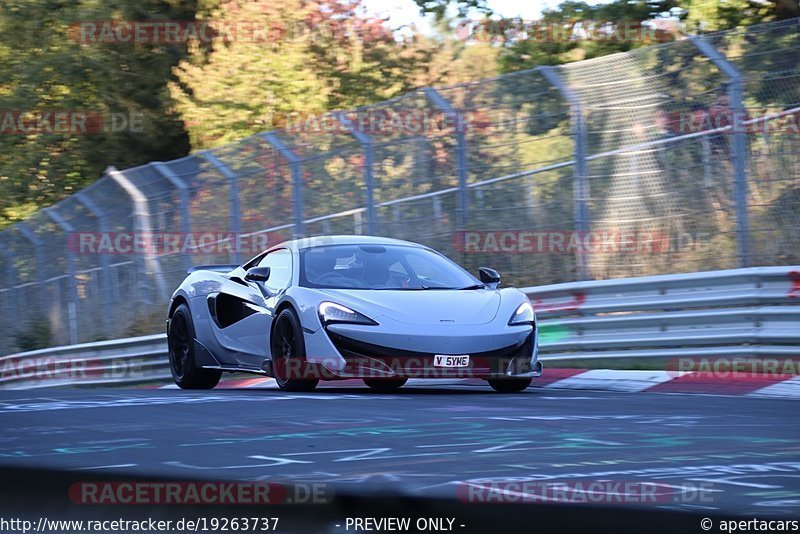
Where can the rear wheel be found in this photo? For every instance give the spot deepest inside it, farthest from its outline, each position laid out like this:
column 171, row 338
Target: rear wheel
column 385, row 384
column 509, row 385
column 289, row 353
column 180, row 340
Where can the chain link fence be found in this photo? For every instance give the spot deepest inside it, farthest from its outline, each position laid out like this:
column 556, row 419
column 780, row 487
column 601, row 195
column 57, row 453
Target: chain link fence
column 674, row 158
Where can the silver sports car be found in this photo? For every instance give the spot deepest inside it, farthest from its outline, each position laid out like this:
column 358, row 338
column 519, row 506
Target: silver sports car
column 339, row 307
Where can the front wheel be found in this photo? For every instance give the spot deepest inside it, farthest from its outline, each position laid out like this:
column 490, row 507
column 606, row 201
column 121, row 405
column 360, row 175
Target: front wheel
column 509, row 385
column 180, row 340
column 289, row 353
column 385, row 384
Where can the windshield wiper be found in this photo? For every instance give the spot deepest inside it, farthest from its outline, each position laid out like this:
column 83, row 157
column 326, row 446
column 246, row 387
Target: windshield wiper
column 397, row 288
column 423, row 287
column 444, row 288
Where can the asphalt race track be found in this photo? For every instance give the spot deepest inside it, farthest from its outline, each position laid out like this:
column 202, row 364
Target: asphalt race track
column 723, row 454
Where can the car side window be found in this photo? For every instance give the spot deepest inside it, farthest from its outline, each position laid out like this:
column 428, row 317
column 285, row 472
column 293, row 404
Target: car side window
column 280, row 264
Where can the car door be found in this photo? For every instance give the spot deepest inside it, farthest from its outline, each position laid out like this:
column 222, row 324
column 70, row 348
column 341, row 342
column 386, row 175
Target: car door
column 245, row 309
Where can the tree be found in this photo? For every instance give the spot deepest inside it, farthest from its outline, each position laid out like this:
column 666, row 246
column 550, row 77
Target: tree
column 44, row 68
column 316, row 56
column 575, row 30
column 357, row 56
column 442, row 59
column 713, row 15
column 463, row 7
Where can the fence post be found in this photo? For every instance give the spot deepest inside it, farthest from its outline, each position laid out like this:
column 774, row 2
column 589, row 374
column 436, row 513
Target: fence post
column 141, row 224
column 72, row 304
column 580, row 185
column 708, row 169
column 236, row 213
column 11, row 272
column 13, row 291
column 38, row 247
column 736, row 104
column 437, row 210
column 105, row 264
column 297, row 180
column 369, row 183
column 183, row 191
column 462, row 163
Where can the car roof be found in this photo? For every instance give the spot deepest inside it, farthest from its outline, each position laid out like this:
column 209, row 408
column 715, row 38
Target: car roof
column 326, row 240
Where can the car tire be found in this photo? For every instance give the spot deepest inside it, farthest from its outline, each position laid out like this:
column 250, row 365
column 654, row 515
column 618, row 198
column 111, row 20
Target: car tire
column 180, row 340
column 385, row 384
column 288, row 350
column 509, row 385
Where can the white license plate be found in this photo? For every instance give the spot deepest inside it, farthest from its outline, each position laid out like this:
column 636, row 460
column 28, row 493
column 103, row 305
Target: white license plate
column 443, row 360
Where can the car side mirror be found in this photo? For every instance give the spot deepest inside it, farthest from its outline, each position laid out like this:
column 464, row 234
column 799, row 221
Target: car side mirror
column 257, row 274
column 490, row 277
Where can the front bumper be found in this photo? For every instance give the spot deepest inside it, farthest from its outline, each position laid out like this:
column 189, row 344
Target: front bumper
column 356, row 351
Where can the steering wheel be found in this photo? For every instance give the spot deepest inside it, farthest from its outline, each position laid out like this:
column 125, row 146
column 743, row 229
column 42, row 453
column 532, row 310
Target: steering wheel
column 401, row 279
column 341, row 280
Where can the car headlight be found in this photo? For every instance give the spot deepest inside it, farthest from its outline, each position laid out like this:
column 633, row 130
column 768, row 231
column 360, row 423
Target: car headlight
column 523, row 315
column 330, row 312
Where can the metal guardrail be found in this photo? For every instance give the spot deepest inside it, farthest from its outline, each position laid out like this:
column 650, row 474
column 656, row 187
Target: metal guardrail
column 742, row 312
column 133, row 360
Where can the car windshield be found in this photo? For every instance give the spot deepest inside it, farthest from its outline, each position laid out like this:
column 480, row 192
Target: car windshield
column 396, row 267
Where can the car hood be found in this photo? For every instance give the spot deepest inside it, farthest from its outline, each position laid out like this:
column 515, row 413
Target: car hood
column 425, row 307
